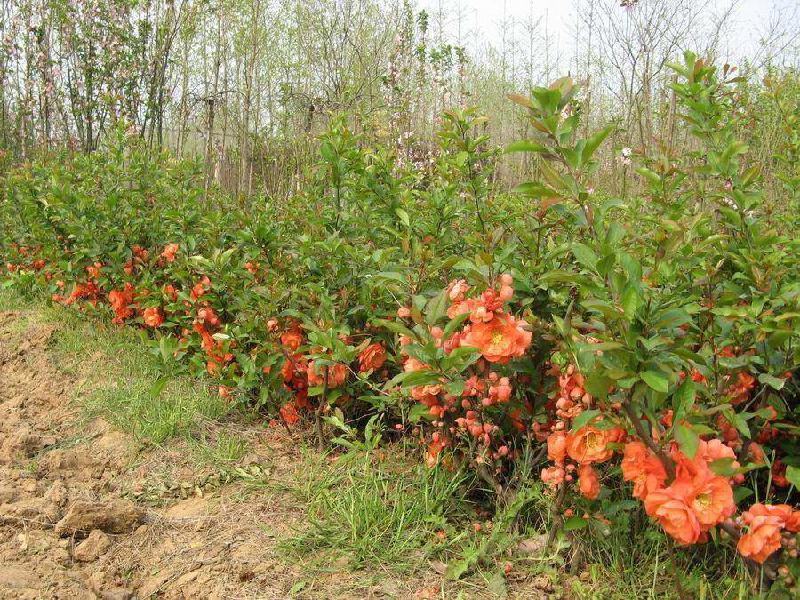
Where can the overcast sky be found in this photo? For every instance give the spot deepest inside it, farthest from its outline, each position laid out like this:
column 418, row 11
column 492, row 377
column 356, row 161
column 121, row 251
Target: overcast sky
column 751, row 19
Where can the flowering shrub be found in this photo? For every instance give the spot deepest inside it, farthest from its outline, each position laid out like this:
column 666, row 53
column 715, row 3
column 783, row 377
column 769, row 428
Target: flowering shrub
column 453, row 356
column 677, row 346
column 645, row 349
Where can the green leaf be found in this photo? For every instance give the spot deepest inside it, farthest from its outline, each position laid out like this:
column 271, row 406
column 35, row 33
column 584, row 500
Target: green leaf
column 583, row 419
column 774, row 382
column 391, row 275
column 298, row 586
column 159, row 385
column 403, row 216
column 534, row 190
column 453, row 325
column 723, row 466
column 526, row 146
column 683, row 399
column 497, row 585
column 793, row 476
column 575, row 522
column 594, row 142
column 740, row 493
column 396, row 327
column 687, row 439
column 630, row 301
column 598, row 384
column 436, row 308
column 657, row 381
column 672, row 318
column 585, row 255
column 417, row 412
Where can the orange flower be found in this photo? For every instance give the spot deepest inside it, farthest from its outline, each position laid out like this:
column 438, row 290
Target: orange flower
column 170, row 292
column 740, row 390
column 552, row 476
column 590, row 444
column 336, row 375
column 208, row 316
column 371, row 358
column 293, row 338
column 557, row 446
column 674, row 515
column 434, row 450
column 711, row 499
column 153, row 317
column 644, row 468
column 715, row 450
column 789, row 516
column 94, row 270
column 412, row 364
column 457, row 289
column 201, row 287
column 588, row 483
column 120, row 301
column 170, row 250
column 763, row 535
column 499, row 340
column 779, row 474
column 756, row 453
column 289, row 414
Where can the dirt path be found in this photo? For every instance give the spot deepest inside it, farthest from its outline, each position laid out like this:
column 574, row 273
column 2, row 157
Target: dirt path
column 84, row 515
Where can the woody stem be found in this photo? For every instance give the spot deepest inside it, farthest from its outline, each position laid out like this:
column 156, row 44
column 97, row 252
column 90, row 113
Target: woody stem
column 557, row 520
column 318, row 413
column 669, row 465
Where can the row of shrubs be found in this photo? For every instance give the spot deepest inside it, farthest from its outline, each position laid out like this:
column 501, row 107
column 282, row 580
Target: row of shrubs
column 548, row 332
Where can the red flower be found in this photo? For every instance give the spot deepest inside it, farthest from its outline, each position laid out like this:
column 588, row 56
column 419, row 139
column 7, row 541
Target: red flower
column 170, row 250
column 590, row 444
column 371, row 358
column 153, row 317
column 498, row 340
column 336, row 375
column 643, row 468
column 588, row 482
column 677, row 518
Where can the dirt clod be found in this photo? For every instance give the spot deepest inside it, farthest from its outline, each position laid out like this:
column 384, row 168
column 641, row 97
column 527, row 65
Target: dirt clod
column 93, row 547
column 119, row 516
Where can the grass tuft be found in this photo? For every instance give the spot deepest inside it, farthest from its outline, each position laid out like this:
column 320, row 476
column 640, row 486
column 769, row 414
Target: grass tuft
column 363, row 510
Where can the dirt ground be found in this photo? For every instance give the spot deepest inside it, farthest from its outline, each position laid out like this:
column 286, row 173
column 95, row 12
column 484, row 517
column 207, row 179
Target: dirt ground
column 85, row 514
column 87, row 511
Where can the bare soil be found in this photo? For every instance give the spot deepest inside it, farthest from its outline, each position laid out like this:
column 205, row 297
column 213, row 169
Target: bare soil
column 85, row 513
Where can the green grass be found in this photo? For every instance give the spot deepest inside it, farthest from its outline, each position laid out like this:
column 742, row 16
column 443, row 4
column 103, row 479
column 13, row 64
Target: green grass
column 370, row 512
column 118, row 379
column 221, row 451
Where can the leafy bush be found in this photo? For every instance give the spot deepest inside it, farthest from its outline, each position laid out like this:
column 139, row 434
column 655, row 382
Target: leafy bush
column 551, row 330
